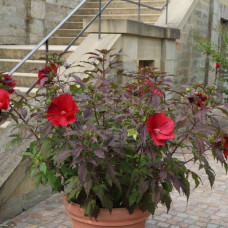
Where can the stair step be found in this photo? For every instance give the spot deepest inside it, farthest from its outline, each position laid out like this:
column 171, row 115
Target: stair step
column 29, row 66
column 4, row 125
column 25, row 79
column 73, row 25
column 111, row 11
column 144, row 17
column 24, row 90
column 122, row 4
column 64, row 40
column 68, row 32
column 20, row 51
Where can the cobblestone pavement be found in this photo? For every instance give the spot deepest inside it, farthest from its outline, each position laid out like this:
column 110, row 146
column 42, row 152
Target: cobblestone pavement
column 206, row 208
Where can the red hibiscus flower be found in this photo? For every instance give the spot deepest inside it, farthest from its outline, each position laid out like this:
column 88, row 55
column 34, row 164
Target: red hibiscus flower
column 150, row 86
column 62, row 110
column 218, row 65
column 152, row 89
column 218, row 143
column 129, row 90
column 160, row 128
column 8, row 83
column 48, row 72
column 199, row 99
column 225, row 150
column 4, row 99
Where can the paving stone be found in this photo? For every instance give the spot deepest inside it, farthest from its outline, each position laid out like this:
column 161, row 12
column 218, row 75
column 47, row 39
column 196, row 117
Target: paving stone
column 162, row 224
column 211, row 226
column 206, row 209
column 189, row 221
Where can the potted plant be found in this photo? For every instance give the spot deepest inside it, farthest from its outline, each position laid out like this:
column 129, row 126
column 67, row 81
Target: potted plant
column 114, row 141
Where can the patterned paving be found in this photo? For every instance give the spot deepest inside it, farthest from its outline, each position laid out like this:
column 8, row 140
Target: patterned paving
column 206, row 208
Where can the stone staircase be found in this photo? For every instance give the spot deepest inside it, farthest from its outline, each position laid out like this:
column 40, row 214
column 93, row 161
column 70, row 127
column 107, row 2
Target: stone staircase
column 10, row 55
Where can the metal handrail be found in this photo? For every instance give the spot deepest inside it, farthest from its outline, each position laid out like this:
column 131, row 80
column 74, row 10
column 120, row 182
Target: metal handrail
column 45, row 40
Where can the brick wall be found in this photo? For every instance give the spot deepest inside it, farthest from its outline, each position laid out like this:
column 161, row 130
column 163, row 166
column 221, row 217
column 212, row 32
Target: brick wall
column 28, row 21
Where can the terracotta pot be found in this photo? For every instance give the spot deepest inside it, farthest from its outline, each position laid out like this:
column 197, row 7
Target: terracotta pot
column 120, row 218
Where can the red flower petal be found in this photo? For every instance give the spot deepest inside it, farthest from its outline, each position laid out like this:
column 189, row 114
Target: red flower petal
column 160, row 128
column 225, row 151
column 218, row 65
column 62, row 110
column 4, row 99
column 8, row 82
column 48, row 71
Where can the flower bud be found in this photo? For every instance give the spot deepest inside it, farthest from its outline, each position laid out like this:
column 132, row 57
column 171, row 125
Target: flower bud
column 188, row 89
column 48, row 102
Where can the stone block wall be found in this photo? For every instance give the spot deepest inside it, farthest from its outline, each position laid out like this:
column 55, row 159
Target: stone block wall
column 28, row 21
column 203, row 17
column 190, row 63
column 13, row 24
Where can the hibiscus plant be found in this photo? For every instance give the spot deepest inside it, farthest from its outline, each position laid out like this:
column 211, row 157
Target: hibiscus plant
column 110, row 138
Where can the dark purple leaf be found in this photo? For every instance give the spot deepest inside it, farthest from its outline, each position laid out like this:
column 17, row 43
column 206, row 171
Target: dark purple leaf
column 82, row 172
column 201, row 114
column 108, row 140
column 220, row 155
column 69, row 133
column 119, row 116
column 88, row 184
column 177, row 184
column 23, row 112
column 200, row 145
column 77, row 152
column 151, row 151
column 99, row 153
column 156, row 100
column 144, row 187
column 110, row 170
column 180, row 118
column 163, row 175
column 61, row 157
column 78, row 125
column 94, row 138
column 87, row 113
column 47, row 131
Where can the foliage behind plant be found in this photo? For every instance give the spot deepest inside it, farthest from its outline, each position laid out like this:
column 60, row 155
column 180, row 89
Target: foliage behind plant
column 110, row 145
column 217, row 54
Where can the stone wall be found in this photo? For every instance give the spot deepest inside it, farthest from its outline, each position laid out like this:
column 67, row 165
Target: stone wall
column 190, row 62
column 203, row 17
column 28, row 21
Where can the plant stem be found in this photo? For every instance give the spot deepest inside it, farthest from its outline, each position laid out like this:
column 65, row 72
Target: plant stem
column 30, row 129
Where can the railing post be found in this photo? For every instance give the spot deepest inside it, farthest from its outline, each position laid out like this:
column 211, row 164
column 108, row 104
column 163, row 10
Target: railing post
column 99, row 23
column 46, row 46
column 166, row 18
column 139, row 8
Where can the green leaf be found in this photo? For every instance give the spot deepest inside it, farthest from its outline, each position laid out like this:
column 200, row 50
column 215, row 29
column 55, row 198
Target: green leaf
column 196, row 178
column 134, row 197
column 46, row 147
column 16, row 140
column 43, row 168
column 54, row 181
column 132, row 132
column 38, row 179
column 108, row 179
column 73, row 88
column 73, row 188
column 89, row 207
column 102, row 192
